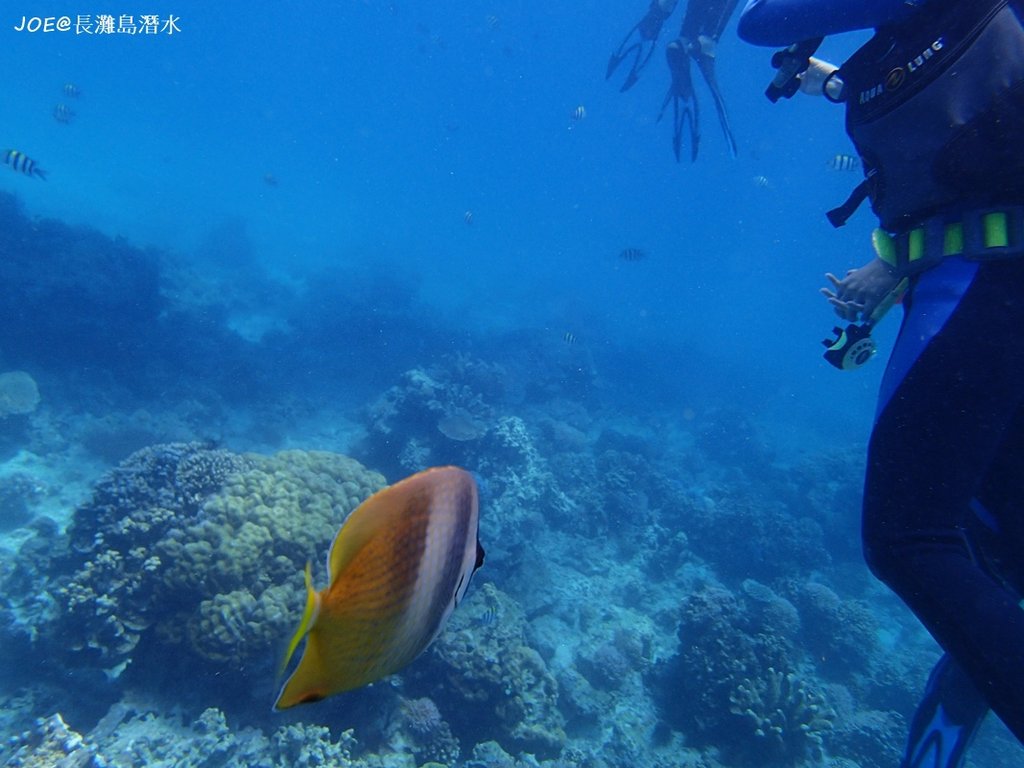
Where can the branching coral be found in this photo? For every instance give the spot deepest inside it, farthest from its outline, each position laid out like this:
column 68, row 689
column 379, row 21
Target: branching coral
column 788, row 719
column 723, row 647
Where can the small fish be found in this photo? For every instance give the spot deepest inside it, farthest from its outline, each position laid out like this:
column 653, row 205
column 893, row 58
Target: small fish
column 399, row 566
column 62, row 113
column 488, row 618
column 844, row 163
column 493, row 22
column 468, row 217
column 18, row 161
column 578, row 114
column 569, row 337
column 71, row 91
column 632, row 254
column 761, row 182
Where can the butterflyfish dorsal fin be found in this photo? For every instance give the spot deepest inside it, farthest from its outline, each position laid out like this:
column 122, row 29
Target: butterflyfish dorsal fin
column 380, row 511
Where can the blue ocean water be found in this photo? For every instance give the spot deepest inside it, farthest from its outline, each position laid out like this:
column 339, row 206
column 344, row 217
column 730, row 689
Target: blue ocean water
column 376, row 229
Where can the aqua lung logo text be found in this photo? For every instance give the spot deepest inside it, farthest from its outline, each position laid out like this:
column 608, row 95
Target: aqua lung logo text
column 897, row 76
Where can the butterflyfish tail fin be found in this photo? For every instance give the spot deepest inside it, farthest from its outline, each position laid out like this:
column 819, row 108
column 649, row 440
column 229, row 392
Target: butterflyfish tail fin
column 309, row 615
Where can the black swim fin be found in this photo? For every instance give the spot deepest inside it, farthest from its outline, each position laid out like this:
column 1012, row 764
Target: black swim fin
column 946, row 719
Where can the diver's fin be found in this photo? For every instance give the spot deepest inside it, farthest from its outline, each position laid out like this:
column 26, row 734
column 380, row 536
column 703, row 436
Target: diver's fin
column 624, row 49
column 706, row 65
column 685, row 107
column 613, row 63
column 946, row 719
column 640, row 59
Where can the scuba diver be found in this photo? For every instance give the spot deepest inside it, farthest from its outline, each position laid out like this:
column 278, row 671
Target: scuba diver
column 935, row 108
column 698, row 40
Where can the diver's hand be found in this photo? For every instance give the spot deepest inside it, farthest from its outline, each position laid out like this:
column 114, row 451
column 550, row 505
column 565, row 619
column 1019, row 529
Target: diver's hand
column 861, row 290
column 812, row 80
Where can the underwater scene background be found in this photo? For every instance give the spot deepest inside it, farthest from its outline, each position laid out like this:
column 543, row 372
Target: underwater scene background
column 285, row 254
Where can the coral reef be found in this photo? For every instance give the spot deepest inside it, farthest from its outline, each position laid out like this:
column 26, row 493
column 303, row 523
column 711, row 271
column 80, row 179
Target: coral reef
column 774, row 540
column 870, row 737
column 707, row 688
column 664, row 586
column 606, row 667
column 789, row 720
column 199, row 551
column 498, row 682
column 841, row 634
column 432, row 416
column 18, row 493
column 52, row 743
column 420, row 729
column 73, row 296
column 132, row 735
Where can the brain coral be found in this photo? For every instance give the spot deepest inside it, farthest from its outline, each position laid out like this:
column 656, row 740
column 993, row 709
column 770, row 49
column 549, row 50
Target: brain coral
column 198, row 549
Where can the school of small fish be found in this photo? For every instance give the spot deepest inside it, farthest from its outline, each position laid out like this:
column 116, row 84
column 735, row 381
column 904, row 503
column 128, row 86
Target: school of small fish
column 18, row 161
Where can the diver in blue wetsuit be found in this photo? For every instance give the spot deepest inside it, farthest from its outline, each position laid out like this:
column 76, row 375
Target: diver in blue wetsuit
column 698, row 38
column 935, row 107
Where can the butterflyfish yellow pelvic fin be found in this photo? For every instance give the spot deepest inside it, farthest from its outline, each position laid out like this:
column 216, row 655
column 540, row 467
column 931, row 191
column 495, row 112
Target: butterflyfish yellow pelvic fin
column 398, row 567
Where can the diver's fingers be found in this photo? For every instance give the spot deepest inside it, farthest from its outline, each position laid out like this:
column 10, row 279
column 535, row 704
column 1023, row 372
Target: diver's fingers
column 854, row 306
column 848, row 310
column 836, row 282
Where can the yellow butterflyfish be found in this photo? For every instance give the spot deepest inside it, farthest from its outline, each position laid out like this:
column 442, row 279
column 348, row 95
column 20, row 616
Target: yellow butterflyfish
column 398, row 567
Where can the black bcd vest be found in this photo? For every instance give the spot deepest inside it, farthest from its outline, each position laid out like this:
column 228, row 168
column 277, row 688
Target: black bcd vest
column 935, row 108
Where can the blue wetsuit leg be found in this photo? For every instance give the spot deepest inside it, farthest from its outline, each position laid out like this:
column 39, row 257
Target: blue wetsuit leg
column 943, row 432
column 783, row 22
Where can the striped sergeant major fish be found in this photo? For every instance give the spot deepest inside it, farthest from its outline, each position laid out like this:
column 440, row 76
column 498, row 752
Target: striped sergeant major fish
column 62, row 114
column 844, row 163
column 19, row 161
